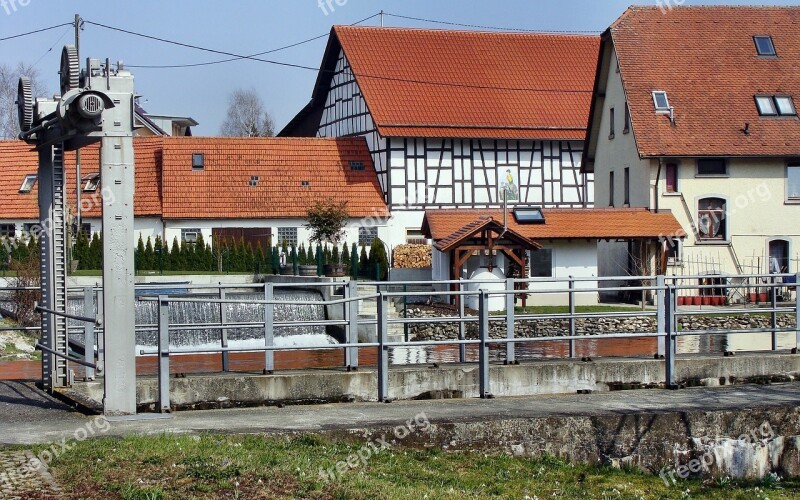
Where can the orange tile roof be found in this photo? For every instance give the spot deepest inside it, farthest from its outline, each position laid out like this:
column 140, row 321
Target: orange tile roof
column 436, row 83
column 562, row 223
column 482, row 223
column 222, row 190
column 706, row 61
column 18, row 159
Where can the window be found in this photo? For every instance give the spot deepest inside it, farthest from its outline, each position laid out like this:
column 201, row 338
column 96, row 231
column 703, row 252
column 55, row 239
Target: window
column 529, row 216
column 711, row 219
column 768, row 105
column 542, row 263
column 86, row 229
column 28, row 183
column 612, row 119
column 627, row 186
column 793, row 182
column 356, row 165
column 31, row 229
column 366, row 235
column 611, row 189
column 8, row 231
column 254, row 179
column 198, row 161
column 671, row 177
column 415, row 237
column 764, row 45
column 661, row 101
column 190, row 236
column 91, row 183
column 712, row 166
column 287, row 234
column 626, row 126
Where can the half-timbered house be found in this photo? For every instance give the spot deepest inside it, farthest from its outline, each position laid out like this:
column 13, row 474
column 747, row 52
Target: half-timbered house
column 454, row 119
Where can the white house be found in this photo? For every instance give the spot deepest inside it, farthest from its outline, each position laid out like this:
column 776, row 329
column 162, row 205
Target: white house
column 694, row 112
column 453, row 118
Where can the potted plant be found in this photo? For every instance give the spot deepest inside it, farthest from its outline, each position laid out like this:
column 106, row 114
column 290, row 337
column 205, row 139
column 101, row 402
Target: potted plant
column 326, row 221
column 308, row 266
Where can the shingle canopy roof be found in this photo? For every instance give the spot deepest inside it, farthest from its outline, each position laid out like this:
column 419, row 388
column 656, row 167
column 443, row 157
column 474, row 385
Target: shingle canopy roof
column 705, row 59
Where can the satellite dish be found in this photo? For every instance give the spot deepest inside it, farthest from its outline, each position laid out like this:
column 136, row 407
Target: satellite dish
column 25, row 103
column 70, row 69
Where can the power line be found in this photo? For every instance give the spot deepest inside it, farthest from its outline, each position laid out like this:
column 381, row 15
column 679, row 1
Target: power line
column 358, row 75
column 51, row 48
column 210, row 63
column 478, row 26
column 34, row 32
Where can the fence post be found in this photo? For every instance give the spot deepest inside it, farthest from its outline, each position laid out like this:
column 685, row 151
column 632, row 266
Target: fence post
column 163, row 354
column 405, row 312
column 462, row 349
column 661, row 322
column 571, row 317
column 351, row 314
column 383, row 353
column 669, row 326
column 773, row 299
column 223, row 319
column 483, row 351
column 796, row 312
column 101, row 339
column 510, row 303
column 88, row 331
column 269, row 329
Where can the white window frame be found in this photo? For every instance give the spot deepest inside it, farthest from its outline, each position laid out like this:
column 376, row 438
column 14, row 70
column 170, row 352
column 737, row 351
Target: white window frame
column 28, row 183
column 91, row 183
column 189, row 236
column 661, row 109
column 774, row 52
column 793, row 197
column 288, row 234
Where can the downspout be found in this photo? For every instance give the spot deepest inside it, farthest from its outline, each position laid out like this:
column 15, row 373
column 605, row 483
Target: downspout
column 658, row 180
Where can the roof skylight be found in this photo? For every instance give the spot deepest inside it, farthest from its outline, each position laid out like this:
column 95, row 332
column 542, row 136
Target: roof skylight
column 661, row 101
column 28, row 183
column 764, row 45
column 529, row 216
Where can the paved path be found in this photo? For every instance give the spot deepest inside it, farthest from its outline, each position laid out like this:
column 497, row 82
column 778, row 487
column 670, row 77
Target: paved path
column 47, row 422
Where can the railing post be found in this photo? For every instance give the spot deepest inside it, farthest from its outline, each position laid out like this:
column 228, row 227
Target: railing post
column 510, row 303
column 462, row 349
column 405, row 312
column 101, row 339
column 669, row 326
column 571, row 317
column 796, row 312
column 223, row 319
column 269, row 329
column 163, row 354
column 351, row 311
column 383, row 352
column 661, row 312
column 773, row 299
column 88, row 331
column 483, row 351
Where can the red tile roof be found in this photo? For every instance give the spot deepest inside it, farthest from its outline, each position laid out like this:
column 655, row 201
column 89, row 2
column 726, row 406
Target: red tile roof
column 467, row 232
column 222, row 190
column 436, row 83
column 591, row 223
column 706, row 61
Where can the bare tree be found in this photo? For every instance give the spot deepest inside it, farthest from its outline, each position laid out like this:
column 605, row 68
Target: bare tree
column 9, row 79
column 247, row 116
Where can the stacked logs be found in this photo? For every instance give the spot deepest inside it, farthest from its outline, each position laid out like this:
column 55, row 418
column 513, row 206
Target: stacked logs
column 412, row 256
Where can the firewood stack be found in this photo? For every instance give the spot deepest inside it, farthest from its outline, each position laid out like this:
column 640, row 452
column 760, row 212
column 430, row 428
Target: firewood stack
column 412, row 256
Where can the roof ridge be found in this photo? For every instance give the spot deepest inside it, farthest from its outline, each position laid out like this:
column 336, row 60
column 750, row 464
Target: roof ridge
column 346, row 27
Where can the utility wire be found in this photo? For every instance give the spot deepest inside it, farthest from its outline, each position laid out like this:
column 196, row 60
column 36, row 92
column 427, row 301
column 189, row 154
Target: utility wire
column 51, row 48
column 34, row 32
column 210, row 63
column 358, row 75
column 478, row 26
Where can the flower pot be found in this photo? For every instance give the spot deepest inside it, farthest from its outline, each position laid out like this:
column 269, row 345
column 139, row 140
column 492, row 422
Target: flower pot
column 334, row 270
column 697, row 300
column 287, row 271
column 682, row 300
column 307, row 270
column 753, row 297
column 706, row 300
column 717, row 300
column 763, row 297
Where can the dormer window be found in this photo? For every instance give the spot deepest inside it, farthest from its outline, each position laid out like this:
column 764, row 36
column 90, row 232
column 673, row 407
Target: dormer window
column 764, row 45
column 198, row 161
column 28, row 183
column 769, row 105
column 90, row 183
column 661, row 101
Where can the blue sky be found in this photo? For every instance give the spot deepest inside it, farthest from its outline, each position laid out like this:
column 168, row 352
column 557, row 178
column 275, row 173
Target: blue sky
column 250, row 26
